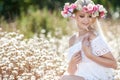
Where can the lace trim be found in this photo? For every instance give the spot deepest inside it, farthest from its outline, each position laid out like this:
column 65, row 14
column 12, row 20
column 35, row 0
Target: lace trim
column 100, row 47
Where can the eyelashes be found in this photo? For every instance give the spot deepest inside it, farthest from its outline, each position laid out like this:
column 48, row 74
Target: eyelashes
column 90, row 16
column 82, row 16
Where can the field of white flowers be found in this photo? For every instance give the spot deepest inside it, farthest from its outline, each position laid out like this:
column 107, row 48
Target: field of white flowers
column 33, row 59
column 41, row 58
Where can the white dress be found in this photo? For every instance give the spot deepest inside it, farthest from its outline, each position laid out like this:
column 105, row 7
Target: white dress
column 88, row 68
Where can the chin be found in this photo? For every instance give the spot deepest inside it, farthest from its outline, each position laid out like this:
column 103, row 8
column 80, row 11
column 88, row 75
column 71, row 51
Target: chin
column 85, row 27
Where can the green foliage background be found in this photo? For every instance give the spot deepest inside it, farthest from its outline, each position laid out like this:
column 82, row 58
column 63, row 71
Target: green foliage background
column 10, row 8
column 32, row 16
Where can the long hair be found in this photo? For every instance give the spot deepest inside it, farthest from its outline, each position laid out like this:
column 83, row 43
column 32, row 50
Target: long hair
column 99, row 29
column 95, row 27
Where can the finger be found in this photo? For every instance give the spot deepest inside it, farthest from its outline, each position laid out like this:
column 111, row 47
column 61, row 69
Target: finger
column 77, row 53
column 77, row 57
column 88, row 43
column 85, row 40
column 78, row 60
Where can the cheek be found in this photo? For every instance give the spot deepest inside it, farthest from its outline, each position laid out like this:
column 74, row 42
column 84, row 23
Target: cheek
column 91, row 21
column 79, row 20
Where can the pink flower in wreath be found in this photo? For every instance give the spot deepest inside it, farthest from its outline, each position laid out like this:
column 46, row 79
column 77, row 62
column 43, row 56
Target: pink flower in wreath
column 85, row 9
column 102, row 14
column 64, row 13
column 95, row 8
column 90, row 8
column 73, row 6
column 66, row 7
column 68, row 10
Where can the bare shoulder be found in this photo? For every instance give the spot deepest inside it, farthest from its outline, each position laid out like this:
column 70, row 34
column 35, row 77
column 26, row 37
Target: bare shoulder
column 92, row 35
column 72, row 40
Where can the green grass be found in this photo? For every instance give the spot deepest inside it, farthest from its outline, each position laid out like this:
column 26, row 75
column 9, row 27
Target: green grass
column 35, row 21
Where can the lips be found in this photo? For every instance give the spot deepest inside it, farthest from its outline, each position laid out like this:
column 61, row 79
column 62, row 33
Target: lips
column 85, row 23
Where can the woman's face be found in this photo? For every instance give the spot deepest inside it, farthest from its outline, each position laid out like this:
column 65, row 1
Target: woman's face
column 83, row 19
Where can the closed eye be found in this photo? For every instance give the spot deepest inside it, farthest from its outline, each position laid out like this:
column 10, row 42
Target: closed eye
column 82, row 16
column 90, row 16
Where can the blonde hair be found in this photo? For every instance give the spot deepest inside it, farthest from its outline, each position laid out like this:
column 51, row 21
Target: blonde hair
column 95, row 27
column 99, row 29
column 81, row 3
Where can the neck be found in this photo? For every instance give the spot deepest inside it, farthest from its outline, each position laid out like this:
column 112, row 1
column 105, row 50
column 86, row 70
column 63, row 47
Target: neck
column 82, row 32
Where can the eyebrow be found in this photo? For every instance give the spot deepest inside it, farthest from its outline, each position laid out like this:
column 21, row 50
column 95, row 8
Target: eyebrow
column 81, row 14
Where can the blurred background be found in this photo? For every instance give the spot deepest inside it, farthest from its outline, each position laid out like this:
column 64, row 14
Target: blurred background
column 32, row 16
column 34, row 37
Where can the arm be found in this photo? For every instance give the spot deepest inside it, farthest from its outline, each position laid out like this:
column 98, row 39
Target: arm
column 106, row 60
column 72, row 66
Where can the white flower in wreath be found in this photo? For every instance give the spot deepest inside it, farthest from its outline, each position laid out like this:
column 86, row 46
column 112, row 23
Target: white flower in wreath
column 104, row 10
column 71, row 10
column 67, row 4
column 73, row 15
column 90, row 7
column 64, row 15
column 69, row 14
column 95, row 14
column 101, row 8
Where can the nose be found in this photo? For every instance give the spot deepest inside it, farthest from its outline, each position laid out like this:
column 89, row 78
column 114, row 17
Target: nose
column 86, row 20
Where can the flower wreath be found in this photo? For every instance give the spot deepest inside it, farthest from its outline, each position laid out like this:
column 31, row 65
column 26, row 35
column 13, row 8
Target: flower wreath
column 96, row 10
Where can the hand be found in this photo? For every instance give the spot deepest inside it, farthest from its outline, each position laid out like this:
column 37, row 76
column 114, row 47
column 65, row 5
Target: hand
column 76, row 58
column 86, row 47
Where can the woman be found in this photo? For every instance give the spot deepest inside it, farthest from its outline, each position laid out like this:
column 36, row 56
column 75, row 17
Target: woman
column 89, row 56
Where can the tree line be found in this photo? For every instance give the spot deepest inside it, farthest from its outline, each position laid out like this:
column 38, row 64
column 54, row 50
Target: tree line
column 12, row 8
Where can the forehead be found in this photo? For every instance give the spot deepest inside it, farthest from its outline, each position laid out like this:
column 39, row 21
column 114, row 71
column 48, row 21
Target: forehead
column 82, row 12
